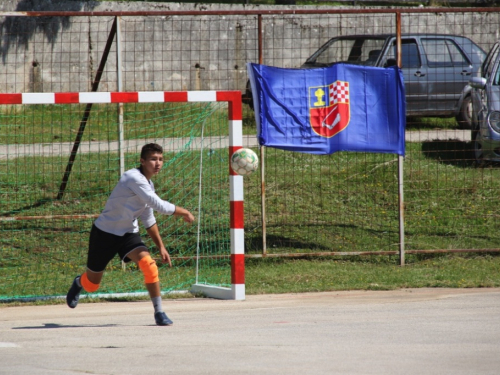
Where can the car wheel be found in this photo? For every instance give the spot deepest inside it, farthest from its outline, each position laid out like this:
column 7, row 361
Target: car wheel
column 464, row 117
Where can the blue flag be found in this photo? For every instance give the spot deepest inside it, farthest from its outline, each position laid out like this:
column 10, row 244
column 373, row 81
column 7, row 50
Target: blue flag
column 321, row 111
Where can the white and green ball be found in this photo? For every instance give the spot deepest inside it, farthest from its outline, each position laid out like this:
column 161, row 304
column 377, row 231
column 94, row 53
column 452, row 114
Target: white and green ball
column 244, row 161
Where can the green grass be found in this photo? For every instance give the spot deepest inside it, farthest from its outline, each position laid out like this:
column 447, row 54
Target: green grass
column 349, row 201
column 49, row 123
column 282, row 275
column 374, row 273
column 344, row 202
column 450, row 204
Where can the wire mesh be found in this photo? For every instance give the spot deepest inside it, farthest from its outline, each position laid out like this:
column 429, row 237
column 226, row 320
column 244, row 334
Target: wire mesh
column 345, row 202
column 45, row 239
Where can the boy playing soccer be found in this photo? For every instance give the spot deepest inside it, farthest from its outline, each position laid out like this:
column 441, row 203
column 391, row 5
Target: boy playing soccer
column 116, row 231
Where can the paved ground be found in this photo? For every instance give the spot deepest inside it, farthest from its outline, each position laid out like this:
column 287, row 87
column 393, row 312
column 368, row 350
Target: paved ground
column 414, row 331
column 55, row 149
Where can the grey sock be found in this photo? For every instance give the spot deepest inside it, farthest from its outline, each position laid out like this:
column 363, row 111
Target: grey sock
column 157, row 304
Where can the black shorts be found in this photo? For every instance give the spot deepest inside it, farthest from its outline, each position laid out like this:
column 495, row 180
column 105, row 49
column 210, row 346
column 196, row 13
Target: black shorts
column 103, row 246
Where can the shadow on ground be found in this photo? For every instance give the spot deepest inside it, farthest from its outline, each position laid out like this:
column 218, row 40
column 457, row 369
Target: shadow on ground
column 451, row 152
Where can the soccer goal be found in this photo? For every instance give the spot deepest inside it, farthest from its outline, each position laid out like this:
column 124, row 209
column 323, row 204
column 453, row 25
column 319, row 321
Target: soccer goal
column 61, row 155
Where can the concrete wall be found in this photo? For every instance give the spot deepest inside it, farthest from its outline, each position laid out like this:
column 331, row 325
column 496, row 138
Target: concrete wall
column 202, row 52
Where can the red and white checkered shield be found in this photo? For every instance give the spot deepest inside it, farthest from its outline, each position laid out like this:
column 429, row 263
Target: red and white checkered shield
column 329, row 114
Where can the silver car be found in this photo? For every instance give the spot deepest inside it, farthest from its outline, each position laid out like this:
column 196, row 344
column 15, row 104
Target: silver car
column 436, row 68
column 485, row 134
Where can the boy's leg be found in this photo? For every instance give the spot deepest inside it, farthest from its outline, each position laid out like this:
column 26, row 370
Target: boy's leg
column 73, row 295
column 150, row 270
column 102, row 248
column 89, row 281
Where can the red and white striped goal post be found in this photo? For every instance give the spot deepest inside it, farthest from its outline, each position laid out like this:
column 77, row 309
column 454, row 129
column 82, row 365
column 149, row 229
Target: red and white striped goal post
column 233, row 98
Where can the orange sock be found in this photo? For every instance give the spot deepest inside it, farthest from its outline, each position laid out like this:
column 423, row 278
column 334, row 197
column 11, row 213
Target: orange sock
column 87, row 284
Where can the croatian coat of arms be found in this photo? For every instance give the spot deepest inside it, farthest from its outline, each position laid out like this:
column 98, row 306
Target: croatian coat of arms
column 329, row 108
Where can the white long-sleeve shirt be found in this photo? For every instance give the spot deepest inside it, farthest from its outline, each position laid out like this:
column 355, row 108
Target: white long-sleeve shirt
column 133, row 197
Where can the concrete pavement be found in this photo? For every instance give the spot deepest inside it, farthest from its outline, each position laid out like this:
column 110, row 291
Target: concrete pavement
column 174, row 144
column 414, row 331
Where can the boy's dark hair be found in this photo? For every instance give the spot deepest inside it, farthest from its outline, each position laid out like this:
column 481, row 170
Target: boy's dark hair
column 150, row 148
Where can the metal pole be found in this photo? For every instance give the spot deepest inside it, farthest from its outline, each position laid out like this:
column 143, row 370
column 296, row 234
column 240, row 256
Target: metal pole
column 263, row 199
column 86, row 114
column 400, row 162
column 401, row 212
column 262, row 154
column 120, row 88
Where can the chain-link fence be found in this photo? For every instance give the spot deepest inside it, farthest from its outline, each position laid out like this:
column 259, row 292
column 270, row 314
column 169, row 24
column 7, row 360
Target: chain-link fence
column 344, row 203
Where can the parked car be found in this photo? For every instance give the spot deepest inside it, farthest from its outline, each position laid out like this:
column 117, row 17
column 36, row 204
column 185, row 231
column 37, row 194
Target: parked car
column 436, row 68
column 485, row 134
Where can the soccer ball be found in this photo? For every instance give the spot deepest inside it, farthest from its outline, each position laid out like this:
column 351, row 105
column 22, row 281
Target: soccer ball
column 244, row 161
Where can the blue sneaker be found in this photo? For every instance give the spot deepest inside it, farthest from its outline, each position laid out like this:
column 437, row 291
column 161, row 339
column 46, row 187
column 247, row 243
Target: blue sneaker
column 73, row 294
column 162, row 319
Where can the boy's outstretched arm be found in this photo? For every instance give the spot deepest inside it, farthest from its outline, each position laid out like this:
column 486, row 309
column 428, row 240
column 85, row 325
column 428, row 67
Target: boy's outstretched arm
column 185, row 214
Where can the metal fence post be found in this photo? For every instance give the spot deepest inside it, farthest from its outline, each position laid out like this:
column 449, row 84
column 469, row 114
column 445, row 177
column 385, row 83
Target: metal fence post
column 120, row 88
column 400, row 161
column 262, row 152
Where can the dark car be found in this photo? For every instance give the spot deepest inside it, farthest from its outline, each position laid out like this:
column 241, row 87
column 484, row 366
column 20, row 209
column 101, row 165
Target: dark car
column 436, row 68
column 485, row 132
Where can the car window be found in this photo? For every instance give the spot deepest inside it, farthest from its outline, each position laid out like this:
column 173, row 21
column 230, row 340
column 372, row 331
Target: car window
column 457, row 56
column 497, row 78
column 410, row 57
column 337, row 51
column 488, row 64
column 496, row 75
column 370, row 50
column 357, row 51
column 443, row 52
column 476, row 53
